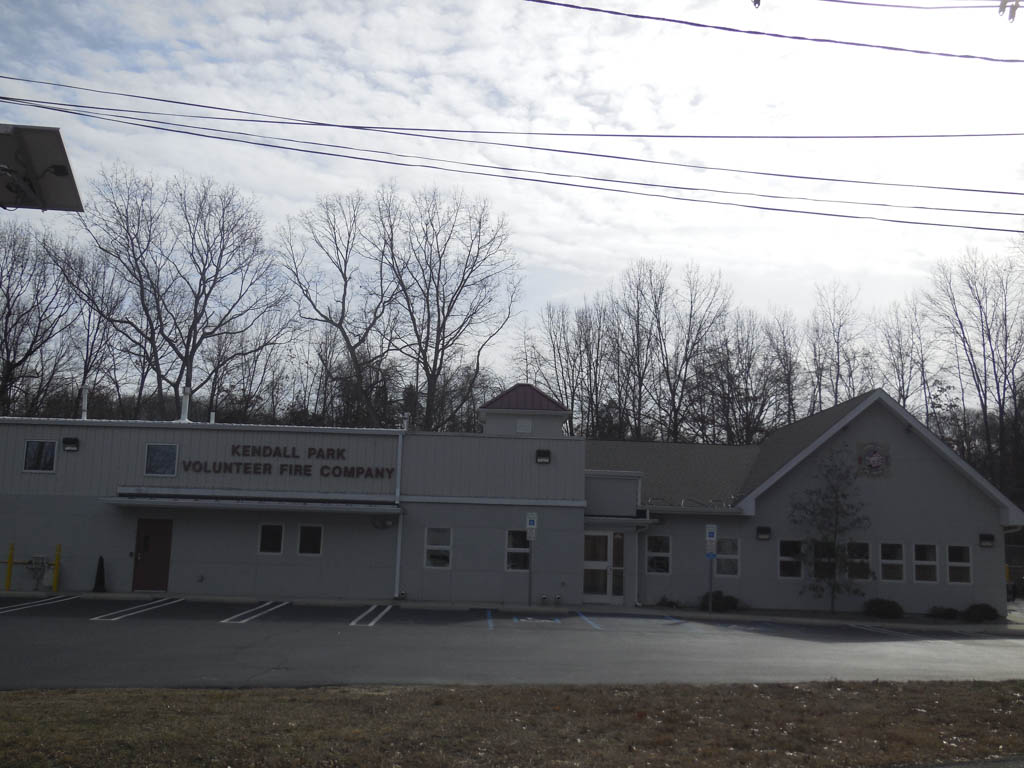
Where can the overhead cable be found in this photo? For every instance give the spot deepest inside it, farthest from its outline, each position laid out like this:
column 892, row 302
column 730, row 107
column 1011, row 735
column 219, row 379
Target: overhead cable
column 776, row 35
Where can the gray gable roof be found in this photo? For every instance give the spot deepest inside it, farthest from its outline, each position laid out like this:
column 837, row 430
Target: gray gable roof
column 702, row 475
column 524, row 397
column 783, row 445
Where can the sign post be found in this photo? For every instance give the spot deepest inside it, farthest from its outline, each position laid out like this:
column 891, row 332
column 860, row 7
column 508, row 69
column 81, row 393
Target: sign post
column 711, row 552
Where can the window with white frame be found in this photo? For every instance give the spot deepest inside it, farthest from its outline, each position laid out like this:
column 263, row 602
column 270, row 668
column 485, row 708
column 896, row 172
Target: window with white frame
column 161, row 458
column 958, row 564
column 311, row 539
column 790, row 559
column 659, row 553
column 271, row 538
column 438, row 548
column 858, row 560
column 891, row 561
column 824, row 559
column 727, row 556
column 925, row 563
column 517, row 551
column 40, row 455
column 524, row 425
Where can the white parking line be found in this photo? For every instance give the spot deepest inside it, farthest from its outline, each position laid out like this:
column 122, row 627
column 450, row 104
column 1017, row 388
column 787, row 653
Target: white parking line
column 134, row 610
column 254, row 613
column 594, row 624
column 359, row 618
column 39, row 603
column 880, row 630
column 380, row 616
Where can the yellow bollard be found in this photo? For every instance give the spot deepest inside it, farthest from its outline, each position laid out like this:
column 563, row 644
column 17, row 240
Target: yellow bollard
column 10, row 565
column 56, row 569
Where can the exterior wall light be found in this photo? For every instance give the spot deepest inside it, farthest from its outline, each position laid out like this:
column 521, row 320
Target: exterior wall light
column 764, row 532
column 543, row 456
column 986, row 540
column 69, row 444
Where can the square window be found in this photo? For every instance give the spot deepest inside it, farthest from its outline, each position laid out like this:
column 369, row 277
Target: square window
column 891, row 556
column 161, row 459
column 39, row 455
column 517, row 551
column 524, row 425
column 311, row 539
column 790, row 562
column 727, row 566
column 727, row 562
column 858, row 560
column 438, row 548
column 923, row 552
column 659, row 554
column 958, row 558
column 925, row 565
column 271, row 538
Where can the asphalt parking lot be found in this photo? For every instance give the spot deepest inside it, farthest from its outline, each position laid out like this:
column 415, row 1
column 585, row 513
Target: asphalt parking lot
column 85, row 641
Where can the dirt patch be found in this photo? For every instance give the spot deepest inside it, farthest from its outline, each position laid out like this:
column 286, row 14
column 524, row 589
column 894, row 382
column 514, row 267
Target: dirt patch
column 816, row 724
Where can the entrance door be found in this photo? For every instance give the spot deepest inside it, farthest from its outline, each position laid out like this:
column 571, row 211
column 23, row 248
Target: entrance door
column 602, row 567
column 152, row 555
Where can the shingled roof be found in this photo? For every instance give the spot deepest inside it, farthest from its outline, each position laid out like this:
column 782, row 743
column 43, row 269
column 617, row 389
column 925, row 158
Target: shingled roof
column 523, row 397
column 703, row 475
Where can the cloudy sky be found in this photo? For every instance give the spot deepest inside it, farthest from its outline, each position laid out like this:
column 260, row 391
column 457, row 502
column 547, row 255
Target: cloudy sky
column 511, row 65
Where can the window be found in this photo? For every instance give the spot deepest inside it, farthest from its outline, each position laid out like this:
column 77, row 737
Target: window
column 524, row 425
column 925, row 568
column 161, row 459
column 727, row 561
column 958, row 563
column 858, row 560
column 790, row 564
column 39, row 455
column 517, row 551
column 311, row 539
column 824, row 560
column 271, row 538
column 439, row 548
column 892, row 561
column 659, row 554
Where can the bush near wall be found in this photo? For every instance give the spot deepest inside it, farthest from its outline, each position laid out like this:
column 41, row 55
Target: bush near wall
column 880, row 608
column 722, row 603
column 980, row 612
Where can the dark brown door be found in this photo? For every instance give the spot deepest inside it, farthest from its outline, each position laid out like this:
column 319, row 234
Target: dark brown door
column 152, row 554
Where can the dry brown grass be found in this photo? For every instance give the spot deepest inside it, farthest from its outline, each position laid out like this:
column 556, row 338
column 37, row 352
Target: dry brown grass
column 827, row 724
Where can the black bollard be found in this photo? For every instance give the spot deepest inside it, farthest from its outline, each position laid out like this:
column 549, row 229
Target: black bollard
column 100, row 584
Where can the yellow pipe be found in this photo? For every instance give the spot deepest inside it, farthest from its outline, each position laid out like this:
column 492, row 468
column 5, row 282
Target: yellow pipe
column 10, row 564
column 56, row 569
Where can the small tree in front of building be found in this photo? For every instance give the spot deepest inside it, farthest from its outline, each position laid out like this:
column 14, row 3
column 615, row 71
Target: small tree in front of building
column 828, row 513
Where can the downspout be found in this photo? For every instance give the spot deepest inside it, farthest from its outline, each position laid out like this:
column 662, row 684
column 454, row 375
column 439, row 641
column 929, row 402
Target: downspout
column 398, row 507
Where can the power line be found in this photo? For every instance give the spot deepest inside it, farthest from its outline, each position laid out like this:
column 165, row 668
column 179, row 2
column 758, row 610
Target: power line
column 550, row 182
column 77, row 110
column 556, row 150
column 914, row 7
column 776, row 35
column 261, row 117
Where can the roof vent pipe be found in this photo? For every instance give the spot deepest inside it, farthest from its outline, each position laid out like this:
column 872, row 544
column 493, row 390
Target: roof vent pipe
column 85, row 403
column 184, row 404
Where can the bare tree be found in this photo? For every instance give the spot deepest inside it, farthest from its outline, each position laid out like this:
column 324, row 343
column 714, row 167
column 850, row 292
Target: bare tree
column 840, row 366
column 34, row 312
column 355, row 293
column 592, row 336
column 456, row 284
column 784, row 345
column 561, row 369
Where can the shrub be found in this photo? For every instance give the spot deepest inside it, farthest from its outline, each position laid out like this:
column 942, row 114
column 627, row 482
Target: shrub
column 722, row 603
column 883, row 609
column 938, row 612
column 980, row 612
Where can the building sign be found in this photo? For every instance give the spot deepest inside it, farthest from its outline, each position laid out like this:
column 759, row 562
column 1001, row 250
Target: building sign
column 287, row 461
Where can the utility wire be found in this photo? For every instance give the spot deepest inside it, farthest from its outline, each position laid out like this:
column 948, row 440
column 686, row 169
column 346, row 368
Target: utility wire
column 608, row 180
column 260, row 117
column 606, row 156
column 550, row 182
column 914, row 7
column 776, row 35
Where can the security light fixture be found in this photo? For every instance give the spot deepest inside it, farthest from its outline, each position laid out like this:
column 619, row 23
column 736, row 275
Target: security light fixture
column 543, row 456
column 986, row 540
column 69, row 444
column 764, row 532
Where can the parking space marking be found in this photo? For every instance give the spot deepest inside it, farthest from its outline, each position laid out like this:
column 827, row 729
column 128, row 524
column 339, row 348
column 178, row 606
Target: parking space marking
column 380, row 615
column 594, row 624
column 360, row 617
column 516, row 620
column 490, row 620
column 254, row 613
column 134, row 610
column 881, row 630
column 39, row 603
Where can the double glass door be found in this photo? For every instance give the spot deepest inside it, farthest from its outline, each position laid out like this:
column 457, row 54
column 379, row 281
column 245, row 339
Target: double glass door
column 602, row 567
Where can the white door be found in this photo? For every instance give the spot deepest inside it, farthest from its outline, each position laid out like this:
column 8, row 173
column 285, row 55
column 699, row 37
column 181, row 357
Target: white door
column 603, row 567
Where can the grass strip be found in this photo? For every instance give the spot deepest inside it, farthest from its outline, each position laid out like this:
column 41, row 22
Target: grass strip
column 812, row 724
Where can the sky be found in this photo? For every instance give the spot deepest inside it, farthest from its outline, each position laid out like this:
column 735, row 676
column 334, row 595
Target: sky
column 511, row 65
